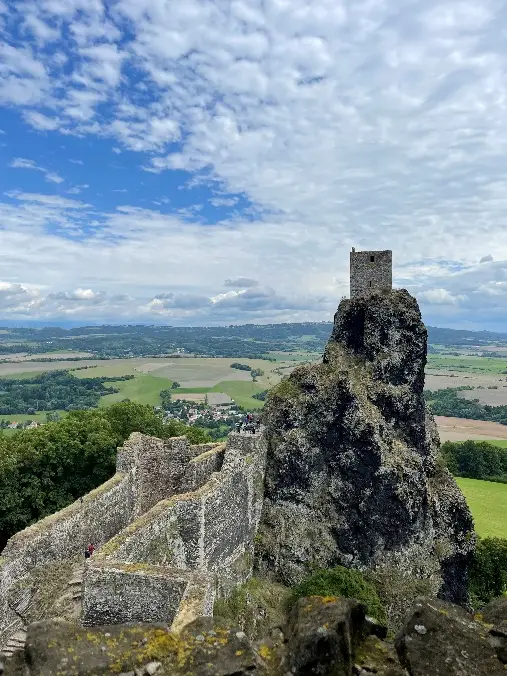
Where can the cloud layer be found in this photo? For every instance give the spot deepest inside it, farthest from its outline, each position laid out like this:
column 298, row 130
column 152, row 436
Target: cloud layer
column 304, row 128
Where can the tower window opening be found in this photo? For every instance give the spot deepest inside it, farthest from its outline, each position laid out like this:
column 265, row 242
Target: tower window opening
column 372, row 260
column 369, row 283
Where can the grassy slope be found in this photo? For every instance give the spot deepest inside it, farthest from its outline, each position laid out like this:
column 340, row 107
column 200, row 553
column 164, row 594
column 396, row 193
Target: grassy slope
column 241, row 392
column 143, row 389
column 488, row 503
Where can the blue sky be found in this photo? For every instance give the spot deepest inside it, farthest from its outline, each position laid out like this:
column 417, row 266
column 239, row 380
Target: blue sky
column 209, row 162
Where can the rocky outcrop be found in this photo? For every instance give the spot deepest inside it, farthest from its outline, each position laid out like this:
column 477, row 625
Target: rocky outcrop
column 330, row 636
column 438, row 638
column 353, row 475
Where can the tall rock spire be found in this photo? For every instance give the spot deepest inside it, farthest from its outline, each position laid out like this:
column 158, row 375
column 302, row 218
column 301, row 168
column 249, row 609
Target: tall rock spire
column 353, row 471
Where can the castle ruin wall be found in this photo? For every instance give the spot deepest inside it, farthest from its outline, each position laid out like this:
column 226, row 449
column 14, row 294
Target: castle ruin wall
column 210, row 530
column 147, row 469
column 63, row 535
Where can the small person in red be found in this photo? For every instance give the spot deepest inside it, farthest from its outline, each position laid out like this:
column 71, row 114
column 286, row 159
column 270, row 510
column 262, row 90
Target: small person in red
column 91, row 548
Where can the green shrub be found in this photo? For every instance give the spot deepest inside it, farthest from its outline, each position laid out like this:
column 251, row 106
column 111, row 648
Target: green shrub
column 488, row 572
column 342, row 581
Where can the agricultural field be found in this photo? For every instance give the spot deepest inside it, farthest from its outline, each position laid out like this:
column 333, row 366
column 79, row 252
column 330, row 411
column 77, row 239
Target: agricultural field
column 488, row 503
column 23, row 356
column 461, row 429
column 466, row 364
column 144, row 389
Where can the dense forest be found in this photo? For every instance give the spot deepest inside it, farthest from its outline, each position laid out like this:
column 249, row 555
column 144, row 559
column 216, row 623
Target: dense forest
column 53, row 390
column 247, row 341
column 476, row 460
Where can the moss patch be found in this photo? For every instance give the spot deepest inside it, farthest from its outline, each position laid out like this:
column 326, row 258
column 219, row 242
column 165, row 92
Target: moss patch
column 256, row 607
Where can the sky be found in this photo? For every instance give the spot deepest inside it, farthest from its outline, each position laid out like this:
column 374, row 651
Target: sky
column 214, row 161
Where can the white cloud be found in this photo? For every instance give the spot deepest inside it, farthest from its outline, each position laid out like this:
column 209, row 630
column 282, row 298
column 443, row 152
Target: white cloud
column 440, row 297
column 77, row 189
column 21, row 163
column 40, row 121
column 341, row 124
column 48, row 200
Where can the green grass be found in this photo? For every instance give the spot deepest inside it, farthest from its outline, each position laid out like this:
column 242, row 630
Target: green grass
column 192, row 390
column 467, row 364
column 40, row 416
column 23, row 375
column 143, row 389
column 241, row 391
column 488, row 503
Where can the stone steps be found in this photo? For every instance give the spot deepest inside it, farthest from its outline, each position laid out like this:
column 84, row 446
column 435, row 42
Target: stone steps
column 15, row 643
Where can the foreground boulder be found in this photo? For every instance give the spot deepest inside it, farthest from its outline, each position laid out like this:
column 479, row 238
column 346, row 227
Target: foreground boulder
column 495, row 614
column 325, row 636
column 441, row 639
column 353, row 473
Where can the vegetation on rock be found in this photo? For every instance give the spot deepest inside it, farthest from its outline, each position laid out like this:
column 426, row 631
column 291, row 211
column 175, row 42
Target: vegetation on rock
column 340, row 581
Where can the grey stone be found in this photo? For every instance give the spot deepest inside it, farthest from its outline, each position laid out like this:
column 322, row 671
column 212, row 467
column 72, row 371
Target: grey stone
column 370, row 272
column 323, row 634
column 452, row 645
column 152, row 667
column 495, row 611
column 498, row 639
column 352, row 474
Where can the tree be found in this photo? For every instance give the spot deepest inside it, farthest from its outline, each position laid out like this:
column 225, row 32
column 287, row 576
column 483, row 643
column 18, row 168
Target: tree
column 175, row 385
column 44, row 469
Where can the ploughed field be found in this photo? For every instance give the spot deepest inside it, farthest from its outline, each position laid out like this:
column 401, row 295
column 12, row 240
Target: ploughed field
column 461, row 429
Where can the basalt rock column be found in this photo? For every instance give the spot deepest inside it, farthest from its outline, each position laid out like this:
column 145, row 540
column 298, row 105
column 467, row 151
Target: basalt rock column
column 353, row 471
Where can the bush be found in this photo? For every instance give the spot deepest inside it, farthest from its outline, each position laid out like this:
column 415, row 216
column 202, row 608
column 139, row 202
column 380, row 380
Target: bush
column 342, row 581
column 488, row 572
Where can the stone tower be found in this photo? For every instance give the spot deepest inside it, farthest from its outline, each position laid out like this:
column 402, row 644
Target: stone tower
column 370, row 271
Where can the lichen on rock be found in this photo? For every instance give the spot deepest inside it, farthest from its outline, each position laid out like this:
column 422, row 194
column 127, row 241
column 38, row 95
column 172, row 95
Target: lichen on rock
column 352, row 474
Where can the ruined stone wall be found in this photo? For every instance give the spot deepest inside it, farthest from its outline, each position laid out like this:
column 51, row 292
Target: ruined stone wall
column 210, row 530
column 148, row 470
column 64, row 535
column 370, row 271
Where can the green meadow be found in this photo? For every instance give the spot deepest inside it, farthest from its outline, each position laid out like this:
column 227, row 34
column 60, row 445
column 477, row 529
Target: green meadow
column 143, row 389
column 467, row 364
column 488, row 503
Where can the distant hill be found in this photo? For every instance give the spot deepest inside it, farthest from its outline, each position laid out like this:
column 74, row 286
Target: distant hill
column 246, row 340
column 438, row 336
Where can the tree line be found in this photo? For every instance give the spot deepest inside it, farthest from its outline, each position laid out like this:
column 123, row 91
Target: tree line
column 446, row 402
column 53, row 390
column 476, row 460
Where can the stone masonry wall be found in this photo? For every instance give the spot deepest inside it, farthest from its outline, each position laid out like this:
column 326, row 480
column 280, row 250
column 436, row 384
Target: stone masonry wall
column 64, row 535
column 210, row 531
column 367, row 276
column 147, row 470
